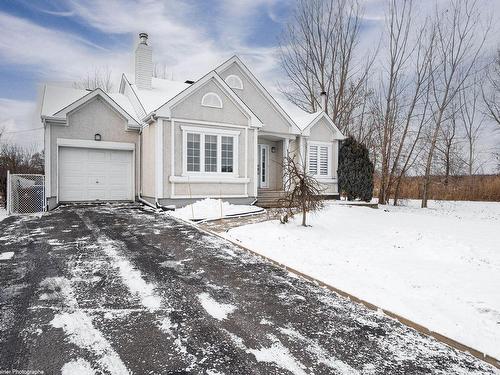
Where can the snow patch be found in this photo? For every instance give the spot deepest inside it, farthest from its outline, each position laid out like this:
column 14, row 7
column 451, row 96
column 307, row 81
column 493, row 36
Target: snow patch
column 321, row 354
column 3, row 214
column 131, row 277
column 81, row 332
column 219, row 311
column 7, row 255
column 77, row 367
column 210, row 209
column 279, row 355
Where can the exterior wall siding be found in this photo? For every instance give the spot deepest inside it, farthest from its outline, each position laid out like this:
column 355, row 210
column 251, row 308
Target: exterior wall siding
column 257, row 102
column 148, row 160
column 191, row 108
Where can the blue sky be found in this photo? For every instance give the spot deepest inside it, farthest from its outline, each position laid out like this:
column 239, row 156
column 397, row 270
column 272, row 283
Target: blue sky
column 64, row 40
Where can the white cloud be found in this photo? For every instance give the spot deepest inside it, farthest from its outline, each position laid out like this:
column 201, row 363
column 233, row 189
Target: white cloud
column 18, row 118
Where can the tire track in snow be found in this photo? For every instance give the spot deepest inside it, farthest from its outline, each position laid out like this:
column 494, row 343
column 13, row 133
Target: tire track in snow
column 135, row 283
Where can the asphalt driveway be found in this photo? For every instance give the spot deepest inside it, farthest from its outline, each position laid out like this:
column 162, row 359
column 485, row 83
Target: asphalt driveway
column 117, row 289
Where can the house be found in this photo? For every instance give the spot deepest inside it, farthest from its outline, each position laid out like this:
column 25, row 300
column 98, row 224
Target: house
column 169, row 142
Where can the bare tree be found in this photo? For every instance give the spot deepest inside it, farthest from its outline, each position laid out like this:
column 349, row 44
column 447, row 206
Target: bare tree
column 491, row 96
column 473, row 122
column 99, row 78
column 302, row 191
column 447, row 145
column 403, row 101
column 459, row 41
column 318, row 54
column 17, row 159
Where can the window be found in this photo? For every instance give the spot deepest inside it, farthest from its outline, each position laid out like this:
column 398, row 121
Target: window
column 211, row 99
column 210, row 151
column 193, row 152
column 234, row 82
column 227, row 154
column 319, row 159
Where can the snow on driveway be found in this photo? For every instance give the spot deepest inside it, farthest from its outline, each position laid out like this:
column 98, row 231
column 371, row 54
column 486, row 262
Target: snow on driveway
column 439, row 267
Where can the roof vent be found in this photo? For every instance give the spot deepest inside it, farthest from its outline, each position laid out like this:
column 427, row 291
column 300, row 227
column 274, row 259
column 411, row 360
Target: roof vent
column 189, row 82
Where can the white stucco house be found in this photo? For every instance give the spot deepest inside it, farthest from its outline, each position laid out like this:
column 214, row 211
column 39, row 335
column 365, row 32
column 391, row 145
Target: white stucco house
column 170, row 142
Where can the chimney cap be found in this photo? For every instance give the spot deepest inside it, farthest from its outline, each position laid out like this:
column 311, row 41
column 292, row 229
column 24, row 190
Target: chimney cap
column 144, row 38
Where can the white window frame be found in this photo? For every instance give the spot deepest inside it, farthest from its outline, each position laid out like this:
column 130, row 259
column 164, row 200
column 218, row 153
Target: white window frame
column 219, row 133
column 208, row 94
column 240, row 82
column 329, row 146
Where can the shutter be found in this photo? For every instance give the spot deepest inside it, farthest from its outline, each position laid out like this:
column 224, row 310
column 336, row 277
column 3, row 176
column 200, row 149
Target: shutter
column 323, row 161
column 313, row 160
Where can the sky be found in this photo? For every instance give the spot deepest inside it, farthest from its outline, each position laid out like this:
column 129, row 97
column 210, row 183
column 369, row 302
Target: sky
column 64, row 40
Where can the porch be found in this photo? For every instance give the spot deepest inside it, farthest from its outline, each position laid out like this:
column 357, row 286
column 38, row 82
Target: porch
column 272, row 149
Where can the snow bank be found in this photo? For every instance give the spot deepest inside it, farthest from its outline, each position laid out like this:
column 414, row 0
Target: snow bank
column 209, row 209
column 439, row 267
column 219, row 311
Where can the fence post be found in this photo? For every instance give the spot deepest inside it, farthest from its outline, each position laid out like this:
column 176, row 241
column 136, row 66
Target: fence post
column 7, row 193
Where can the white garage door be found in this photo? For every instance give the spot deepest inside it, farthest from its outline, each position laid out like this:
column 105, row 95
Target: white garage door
column 87, row 174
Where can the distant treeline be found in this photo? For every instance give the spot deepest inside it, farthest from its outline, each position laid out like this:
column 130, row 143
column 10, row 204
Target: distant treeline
column 460, row 188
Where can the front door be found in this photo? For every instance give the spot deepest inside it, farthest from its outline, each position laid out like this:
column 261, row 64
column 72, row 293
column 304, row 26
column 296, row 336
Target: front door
column 263, row 167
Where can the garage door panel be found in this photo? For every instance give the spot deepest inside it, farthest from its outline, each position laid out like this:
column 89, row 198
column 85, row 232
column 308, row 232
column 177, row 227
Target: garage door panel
column 98, row 155
column 91, row 174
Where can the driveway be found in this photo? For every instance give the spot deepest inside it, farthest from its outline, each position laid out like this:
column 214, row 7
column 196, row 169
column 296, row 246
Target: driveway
column 118, row 289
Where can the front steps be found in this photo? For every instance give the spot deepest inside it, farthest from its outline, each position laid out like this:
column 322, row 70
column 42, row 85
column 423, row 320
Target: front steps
column 269, row 198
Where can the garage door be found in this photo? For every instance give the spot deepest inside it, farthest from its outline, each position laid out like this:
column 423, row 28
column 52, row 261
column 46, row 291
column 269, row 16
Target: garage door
column 87, row 174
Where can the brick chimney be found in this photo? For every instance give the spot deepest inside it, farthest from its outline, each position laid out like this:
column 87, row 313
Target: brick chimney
column 143, row 63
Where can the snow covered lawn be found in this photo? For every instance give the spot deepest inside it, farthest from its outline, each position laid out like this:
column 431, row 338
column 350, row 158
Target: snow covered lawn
column 439, row 267
column 210, row 209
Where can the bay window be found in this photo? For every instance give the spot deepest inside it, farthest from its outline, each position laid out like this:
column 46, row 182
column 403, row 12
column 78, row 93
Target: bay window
column 319, row 159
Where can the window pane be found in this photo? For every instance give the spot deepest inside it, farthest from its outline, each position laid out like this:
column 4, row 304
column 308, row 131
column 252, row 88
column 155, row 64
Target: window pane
column 313, row 160
column 227, row 154
column 210, row 153
column 323, row 161
column 193, row 152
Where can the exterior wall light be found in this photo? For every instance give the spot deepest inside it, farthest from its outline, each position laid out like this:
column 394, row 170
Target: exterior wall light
column 97, row 137
column 273, row 149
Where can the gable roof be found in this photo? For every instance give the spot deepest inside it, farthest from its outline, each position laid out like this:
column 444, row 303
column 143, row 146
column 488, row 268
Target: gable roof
column 236, row 60
column 164, row 110
column 58, row 101
column 312, row 119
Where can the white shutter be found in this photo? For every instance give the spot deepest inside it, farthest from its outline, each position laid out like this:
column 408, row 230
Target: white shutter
column 323, row 161
column 313, row 160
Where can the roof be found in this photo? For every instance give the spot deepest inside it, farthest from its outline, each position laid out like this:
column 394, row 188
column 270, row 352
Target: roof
column 301, row 118
column 162, row 90
column 55, row 99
